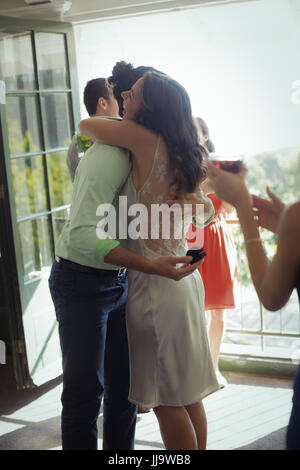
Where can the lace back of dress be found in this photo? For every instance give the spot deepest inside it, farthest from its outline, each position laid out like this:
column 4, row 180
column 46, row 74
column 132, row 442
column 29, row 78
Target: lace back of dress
column 153, row 194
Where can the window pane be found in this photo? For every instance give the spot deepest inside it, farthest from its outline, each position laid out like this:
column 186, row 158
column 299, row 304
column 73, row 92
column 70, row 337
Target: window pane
column 52, row 62
column 22, row 124
column 16, row 64
column 36, row 247
column 285, row 347
column 56, row 119
column 60, row 185
column 29, row 185
column 59, row 218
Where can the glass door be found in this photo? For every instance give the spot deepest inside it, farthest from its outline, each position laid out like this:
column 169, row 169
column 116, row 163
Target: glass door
column 37, row 127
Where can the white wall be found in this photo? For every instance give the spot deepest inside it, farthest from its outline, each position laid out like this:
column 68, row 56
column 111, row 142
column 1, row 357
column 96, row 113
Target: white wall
column 237, row 61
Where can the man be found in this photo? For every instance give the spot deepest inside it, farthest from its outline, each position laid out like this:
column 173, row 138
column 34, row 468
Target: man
column 99, row 101
column 89, row 291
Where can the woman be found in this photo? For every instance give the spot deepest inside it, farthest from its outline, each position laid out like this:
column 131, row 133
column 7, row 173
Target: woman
column 220, row 268
column 171, row 367
column 273, row 280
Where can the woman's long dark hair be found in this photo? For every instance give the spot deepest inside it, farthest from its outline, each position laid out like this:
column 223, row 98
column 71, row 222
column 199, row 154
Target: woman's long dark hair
column 166, row 109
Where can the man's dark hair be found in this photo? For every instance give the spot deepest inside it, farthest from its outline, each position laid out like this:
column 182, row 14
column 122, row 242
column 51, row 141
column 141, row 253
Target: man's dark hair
column 95, row 89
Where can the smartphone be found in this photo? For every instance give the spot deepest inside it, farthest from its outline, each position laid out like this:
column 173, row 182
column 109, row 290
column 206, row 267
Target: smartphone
column 233, row 166
column 197, row 253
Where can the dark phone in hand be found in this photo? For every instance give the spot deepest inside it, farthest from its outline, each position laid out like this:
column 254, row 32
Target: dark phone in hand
column 197, row 253
column 233, row 166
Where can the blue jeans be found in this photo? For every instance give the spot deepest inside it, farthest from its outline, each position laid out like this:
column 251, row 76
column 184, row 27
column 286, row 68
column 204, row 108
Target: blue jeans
column 90, row 310
column 293, row 431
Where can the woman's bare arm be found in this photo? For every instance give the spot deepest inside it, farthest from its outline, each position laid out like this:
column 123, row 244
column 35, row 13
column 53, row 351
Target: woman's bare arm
column 273, row 280
column 268, row 211
column 126, row 133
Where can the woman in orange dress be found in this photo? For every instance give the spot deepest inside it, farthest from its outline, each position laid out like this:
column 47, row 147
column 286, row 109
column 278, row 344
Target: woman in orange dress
column 219, row 270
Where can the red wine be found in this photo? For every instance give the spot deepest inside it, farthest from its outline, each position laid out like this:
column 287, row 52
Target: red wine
column 233, row 166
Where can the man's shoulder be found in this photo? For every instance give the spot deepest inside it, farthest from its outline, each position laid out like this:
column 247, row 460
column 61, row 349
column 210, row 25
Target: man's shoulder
column 105, row 160
column 109, row 160
column 108, row 150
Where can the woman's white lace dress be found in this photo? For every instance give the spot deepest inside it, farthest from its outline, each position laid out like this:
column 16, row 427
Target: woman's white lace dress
column 170, row 361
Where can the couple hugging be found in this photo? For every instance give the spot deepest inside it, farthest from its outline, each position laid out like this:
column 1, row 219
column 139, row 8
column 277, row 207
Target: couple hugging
column 157, row 356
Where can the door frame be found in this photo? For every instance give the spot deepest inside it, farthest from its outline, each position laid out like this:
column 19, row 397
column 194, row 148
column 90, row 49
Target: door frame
column 9, row 238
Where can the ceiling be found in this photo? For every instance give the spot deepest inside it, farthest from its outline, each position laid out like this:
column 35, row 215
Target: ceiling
column 75, row 11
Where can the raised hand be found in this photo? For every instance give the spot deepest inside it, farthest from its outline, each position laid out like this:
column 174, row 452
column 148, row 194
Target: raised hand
column 229, row 186
column 268, row 211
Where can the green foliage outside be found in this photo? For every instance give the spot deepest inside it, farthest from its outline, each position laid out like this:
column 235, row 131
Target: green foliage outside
column 29, row 183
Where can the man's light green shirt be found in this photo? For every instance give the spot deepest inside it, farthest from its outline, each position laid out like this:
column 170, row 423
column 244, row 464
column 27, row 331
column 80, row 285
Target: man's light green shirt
column 99, row 178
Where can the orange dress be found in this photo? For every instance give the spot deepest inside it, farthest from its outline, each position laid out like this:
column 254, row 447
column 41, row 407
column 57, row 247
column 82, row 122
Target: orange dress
column 219, row 270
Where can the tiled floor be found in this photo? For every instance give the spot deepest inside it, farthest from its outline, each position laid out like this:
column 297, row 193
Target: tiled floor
column 243, row 413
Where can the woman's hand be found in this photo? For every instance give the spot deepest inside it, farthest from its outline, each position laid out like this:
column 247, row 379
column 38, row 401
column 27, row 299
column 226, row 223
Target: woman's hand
column 228, row 186
column 163, row 266
column 268, row 211
column 166, row 266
